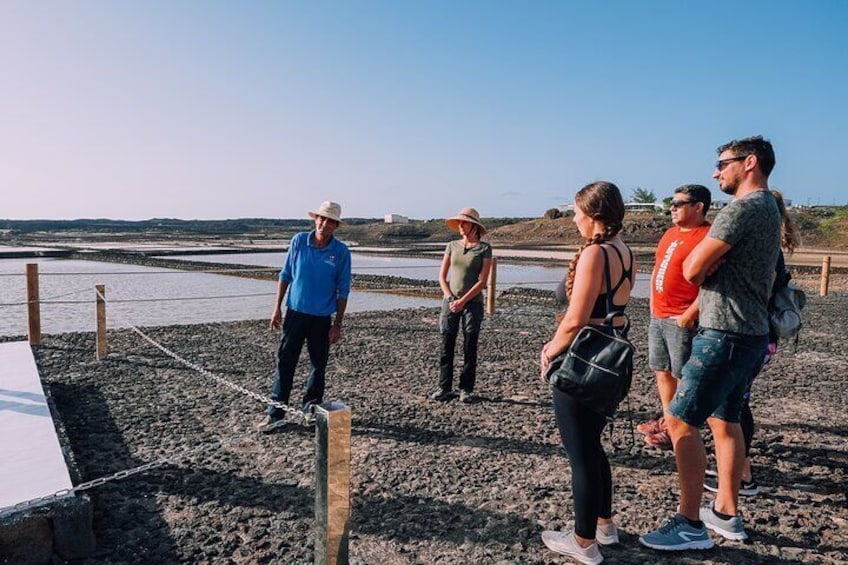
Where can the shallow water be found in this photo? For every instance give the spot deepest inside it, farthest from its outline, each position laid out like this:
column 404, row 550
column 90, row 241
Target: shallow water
column 181, row 297
column 186, row 297
column 426, row 267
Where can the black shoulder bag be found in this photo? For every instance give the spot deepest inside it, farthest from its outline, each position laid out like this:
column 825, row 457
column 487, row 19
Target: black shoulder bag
column 597, row 368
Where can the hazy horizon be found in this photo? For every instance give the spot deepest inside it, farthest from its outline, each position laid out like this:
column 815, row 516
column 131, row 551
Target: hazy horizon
column 214, row 110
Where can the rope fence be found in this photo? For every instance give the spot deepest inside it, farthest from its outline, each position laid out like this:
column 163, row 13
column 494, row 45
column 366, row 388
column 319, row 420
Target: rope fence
column 332, row 449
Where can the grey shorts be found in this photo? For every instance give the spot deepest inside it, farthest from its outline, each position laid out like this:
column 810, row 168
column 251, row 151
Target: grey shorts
column 669, row 345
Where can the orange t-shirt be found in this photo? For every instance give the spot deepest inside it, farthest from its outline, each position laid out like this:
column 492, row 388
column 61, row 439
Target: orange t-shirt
column 671, row 293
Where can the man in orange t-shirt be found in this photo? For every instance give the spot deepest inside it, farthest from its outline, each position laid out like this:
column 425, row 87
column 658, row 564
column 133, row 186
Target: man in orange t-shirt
column 674, row 301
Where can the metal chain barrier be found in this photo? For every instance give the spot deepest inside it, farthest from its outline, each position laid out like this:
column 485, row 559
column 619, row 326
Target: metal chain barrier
column 299, row 415
column 212, row 445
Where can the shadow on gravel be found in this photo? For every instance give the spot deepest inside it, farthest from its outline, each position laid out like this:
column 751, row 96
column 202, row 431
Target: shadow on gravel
column 100, row 450
column 423, row 436
column 407, row 518
column 809, row 429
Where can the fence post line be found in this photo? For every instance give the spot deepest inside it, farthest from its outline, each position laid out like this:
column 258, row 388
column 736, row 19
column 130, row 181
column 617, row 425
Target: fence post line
column 33, row 305
column 492, row 287
column 825, row 277
column 100, row 292
column 332, row 483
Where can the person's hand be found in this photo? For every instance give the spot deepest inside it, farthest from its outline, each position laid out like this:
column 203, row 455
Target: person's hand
column 457, row 305
column 544, row 362
column 684, row 321
column 276, row 319
column 335, row 334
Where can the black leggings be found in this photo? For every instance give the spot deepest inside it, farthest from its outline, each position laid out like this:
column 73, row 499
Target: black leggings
column 591, row 480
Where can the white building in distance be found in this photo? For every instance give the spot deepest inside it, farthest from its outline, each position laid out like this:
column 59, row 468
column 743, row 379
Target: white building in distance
column 395, row 219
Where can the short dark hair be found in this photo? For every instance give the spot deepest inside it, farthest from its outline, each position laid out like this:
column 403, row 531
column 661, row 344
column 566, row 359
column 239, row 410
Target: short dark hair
column 698, row 193
column 752, row 146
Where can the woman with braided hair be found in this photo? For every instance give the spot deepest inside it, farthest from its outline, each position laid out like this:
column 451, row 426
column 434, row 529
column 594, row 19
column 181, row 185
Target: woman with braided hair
column 598, row 214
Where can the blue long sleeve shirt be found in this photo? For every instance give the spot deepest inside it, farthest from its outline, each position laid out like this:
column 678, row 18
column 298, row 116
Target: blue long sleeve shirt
column 317, row 277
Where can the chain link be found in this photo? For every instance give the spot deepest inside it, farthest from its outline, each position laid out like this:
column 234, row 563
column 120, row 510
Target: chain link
column 306, row 419
column 63, row 493
column 298, row 415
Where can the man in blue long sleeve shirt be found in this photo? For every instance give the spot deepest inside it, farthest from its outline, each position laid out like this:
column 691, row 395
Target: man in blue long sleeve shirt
column 316, row 275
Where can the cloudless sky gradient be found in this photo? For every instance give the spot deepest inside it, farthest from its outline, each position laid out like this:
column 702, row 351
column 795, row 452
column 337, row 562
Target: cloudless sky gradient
column 220, row 109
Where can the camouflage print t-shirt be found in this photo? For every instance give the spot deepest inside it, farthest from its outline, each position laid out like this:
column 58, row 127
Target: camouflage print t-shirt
column 735, row 297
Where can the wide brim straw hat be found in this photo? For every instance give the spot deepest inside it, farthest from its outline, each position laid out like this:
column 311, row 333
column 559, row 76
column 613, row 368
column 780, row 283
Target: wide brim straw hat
column 465, row 215
column 329, row 210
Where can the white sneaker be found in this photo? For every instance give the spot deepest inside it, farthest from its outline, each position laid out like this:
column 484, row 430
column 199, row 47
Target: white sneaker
column 565, row 544
column 606, row 534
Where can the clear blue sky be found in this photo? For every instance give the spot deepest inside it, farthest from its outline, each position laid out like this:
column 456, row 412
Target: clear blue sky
column 221, row 109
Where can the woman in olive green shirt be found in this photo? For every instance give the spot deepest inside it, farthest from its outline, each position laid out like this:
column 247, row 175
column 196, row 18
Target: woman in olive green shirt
column 469, row 261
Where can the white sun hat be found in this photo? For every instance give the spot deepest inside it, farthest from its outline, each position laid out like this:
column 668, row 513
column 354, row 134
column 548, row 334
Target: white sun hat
column 329, row 210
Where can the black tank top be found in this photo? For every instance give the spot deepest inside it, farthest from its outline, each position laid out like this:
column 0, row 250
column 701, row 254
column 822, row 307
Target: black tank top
column 599, row 310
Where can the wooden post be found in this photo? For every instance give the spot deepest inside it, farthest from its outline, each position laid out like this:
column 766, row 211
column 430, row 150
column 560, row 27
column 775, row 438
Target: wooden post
column 492, row 287
column 825, row 279
column 332, row 483
column 100, row 292
column 33, row 305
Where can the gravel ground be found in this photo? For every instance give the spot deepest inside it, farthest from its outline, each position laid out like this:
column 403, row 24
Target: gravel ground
column 431, row 482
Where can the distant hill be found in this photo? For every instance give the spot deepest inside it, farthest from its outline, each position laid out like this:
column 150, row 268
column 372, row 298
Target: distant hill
column 819, row 227
column 825, row 227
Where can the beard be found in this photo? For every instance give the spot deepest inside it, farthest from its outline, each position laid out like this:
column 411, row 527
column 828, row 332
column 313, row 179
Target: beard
column 729, row 188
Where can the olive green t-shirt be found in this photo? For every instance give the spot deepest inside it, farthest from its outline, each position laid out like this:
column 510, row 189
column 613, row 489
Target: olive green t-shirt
column 466, row 265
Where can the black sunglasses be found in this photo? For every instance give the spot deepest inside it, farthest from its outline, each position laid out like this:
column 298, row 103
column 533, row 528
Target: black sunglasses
column 681, row 203
column 722, row 163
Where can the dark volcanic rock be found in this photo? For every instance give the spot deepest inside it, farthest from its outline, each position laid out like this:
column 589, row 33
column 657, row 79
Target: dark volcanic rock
column 431, row 482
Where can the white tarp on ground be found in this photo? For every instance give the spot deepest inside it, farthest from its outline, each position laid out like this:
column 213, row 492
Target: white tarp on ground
column 31, row 461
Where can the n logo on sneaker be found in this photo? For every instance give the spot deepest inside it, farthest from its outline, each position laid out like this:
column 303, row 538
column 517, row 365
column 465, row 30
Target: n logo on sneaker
column 689, row 536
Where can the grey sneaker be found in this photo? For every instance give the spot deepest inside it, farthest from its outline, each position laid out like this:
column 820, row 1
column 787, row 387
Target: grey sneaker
column 606, row 534
column 466, row 396
column 677, row 535
column 441, row 395
column 747, row 488
column 730, row 529
column 565, row 544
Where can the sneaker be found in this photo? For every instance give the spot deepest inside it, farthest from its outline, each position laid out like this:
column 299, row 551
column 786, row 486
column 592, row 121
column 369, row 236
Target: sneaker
column 441, row 395
column 677, row 535
column 269, row 424
column 466, row 396
column 565, row 544
column 660, row 440
column 730, row 529
column 652, row 427
column 747, row 488
column 309, row 413
column 606, row 534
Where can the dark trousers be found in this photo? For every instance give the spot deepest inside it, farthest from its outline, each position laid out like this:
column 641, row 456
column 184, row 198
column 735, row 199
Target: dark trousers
column 297, row 328
column 471, row 318
column 746, row 418
column 591, row 479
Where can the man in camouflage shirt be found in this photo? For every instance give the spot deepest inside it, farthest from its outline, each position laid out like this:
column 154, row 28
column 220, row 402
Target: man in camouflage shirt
column 734, row 266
